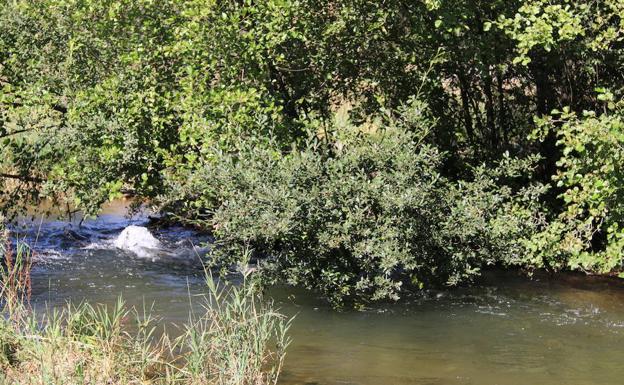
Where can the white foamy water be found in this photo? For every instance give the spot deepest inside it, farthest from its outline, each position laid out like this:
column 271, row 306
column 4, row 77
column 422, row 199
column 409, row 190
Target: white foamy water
column 139, row 240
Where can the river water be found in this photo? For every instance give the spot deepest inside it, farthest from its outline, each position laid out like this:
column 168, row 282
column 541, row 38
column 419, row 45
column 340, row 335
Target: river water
column 506, row 330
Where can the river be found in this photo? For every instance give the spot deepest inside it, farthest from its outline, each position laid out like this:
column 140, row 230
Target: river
column 506, row 330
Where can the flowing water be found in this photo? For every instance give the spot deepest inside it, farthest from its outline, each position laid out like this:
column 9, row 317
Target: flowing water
column 507, row 330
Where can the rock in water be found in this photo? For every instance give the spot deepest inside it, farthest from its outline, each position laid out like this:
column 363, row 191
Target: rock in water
column 138, row 240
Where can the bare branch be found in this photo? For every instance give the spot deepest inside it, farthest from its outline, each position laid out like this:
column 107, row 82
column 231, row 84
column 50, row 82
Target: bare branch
column 25, row 178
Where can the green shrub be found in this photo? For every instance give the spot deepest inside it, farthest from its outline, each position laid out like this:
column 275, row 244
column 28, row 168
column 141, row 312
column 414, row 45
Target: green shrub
column 358, row 213
column 491, row 217
column 587, row 234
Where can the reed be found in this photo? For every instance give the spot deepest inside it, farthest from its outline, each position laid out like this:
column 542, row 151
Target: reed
column 229, row 344
column 15, row 266
column 238, row 338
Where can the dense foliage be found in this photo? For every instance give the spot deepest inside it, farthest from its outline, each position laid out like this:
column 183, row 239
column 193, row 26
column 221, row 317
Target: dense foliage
column 587, row 233
column 354, row 146
column 365, row 214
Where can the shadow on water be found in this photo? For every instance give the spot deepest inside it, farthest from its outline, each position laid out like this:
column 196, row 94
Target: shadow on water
column 507, row 330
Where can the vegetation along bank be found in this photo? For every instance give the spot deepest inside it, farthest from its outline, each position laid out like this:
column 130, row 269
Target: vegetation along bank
column 359, row 148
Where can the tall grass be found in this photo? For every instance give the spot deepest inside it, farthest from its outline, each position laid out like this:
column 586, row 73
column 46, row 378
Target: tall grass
column 14, row 275
column 228, row 343
column 238, row 338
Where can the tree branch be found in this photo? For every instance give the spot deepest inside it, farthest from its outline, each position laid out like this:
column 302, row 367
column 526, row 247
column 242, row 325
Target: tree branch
column 56, row 107
column 25, row 178
column 7, row 134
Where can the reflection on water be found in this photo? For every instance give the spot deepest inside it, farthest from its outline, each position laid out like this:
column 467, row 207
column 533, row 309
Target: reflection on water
column 507, row 331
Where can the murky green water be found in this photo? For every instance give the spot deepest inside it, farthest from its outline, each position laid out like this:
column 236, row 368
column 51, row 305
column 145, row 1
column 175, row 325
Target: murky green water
column 507, row 330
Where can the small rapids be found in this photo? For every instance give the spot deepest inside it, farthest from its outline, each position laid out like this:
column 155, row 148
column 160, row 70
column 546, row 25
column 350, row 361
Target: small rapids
column 57, row 240
column 506, row 330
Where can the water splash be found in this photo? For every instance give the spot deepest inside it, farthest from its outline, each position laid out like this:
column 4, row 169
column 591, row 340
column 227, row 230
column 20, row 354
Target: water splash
column 139, row 240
